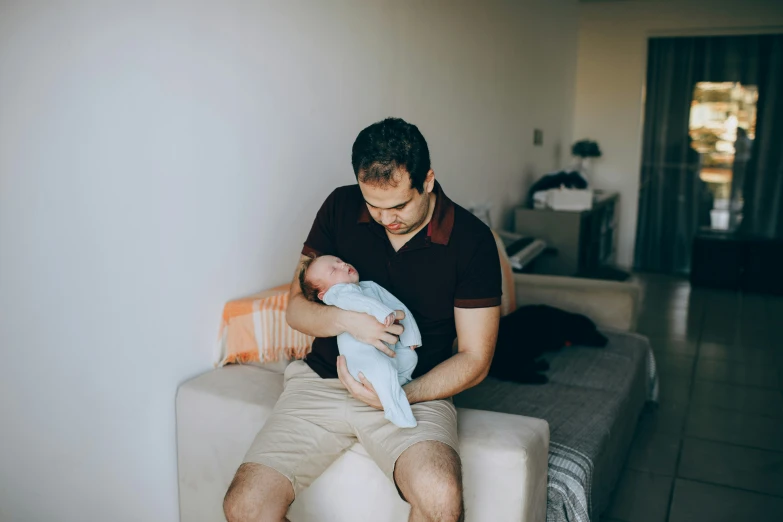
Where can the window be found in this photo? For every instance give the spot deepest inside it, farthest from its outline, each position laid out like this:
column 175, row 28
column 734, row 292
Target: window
column 722, row 128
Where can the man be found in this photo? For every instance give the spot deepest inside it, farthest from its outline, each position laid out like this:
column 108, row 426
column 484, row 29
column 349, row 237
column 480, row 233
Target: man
column 399, row 229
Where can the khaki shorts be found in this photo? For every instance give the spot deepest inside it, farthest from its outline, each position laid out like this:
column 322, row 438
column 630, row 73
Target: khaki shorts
column 315, row 421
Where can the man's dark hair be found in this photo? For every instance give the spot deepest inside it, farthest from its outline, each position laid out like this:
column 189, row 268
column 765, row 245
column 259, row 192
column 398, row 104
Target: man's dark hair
column 386, row 146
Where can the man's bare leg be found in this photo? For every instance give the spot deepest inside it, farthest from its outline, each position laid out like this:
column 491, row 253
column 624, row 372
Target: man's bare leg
column 429, row 475
column 258, row 493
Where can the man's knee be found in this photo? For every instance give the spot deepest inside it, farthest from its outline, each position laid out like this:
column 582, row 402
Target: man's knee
column 257, row 493
column 238, row 502
column 431, row 479
column 233, row 505
column 444, row 501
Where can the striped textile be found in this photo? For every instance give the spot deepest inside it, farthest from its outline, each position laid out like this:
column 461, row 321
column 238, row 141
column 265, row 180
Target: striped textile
column 568, row 485
column 570, row 479
column 254, row 329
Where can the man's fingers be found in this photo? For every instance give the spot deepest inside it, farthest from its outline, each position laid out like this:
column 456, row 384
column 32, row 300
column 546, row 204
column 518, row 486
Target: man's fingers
column 366, row 383
column 395, row 329
column 383, row 348
column 345, row 377
column 363, row 379
column 362, row 389
column 341, row 366
column 399, row 314
column 389, row 338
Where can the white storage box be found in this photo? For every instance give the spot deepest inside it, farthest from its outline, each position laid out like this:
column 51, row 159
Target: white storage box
column 569, row 199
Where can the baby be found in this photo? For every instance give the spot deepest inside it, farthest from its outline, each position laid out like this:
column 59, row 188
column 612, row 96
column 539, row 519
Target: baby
column 335, row 282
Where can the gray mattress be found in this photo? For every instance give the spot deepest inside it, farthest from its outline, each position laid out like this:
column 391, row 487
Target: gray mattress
column 592, row 403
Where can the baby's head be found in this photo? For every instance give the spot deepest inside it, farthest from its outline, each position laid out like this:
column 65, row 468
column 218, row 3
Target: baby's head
column 319, row 274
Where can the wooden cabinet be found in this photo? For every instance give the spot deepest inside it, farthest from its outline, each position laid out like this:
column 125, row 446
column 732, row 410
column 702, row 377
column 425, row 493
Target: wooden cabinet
column 583, row 241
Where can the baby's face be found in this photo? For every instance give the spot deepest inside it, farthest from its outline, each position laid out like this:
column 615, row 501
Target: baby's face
column 327, row 271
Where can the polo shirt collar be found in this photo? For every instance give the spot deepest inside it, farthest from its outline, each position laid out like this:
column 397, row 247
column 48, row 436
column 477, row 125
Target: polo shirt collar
column 442, row 222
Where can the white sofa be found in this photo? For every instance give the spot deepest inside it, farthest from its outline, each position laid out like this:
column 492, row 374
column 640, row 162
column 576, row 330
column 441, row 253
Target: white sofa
column 504, row 456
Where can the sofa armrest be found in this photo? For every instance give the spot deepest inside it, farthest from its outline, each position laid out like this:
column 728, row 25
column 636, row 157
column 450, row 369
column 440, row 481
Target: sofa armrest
column 610, row 304
column 504, row 460
column 218, row 416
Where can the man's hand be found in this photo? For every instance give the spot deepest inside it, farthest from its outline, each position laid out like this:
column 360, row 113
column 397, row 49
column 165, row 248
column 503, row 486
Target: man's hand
column 362, row 391
column 366, row 329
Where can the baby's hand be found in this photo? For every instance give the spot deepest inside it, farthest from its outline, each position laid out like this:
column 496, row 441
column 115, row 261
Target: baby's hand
column 414, row 346
column 390, row 319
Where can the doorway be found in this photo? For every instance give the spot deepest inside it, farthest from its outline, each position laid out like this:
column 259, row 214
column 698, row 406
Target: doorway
column 721, row 129
column 711, row 159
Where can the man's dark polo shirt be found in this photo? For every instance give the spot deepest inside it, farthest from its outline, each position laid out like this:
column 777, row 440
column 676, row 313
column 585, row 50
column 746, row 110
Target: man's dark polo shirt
column 452, row 262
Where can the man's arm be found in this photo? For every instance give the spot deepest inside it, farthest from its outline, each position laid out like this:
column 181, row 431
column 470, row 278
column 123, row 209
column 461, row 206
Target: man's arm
column 319, row 320
column 477, row 333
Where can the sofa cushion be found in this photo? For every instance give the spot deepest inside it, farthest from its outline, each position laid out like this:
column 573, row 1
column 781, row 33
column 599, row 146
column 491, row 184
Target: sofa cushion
column 592, row 403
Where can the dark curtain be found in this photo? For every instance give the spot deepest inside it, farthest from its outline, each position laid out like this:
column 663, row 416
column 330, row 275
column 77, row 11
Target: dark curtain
column 673, row 201
column 763, row 186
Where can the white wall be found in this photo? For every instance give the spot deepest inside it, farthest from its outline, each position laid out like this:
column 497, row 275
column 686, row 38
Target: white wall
column 480, row 78
column 157, row 160
column 611, row 78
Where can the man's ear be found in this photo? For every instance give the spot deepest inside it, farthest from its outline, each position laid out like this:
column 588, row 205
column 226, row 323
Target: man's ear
column 429, row 181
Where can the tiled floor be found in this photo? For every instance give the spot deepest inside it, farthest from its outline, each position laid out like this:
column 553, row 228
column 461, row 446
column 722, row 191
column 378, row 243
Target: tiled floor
column 712, row 450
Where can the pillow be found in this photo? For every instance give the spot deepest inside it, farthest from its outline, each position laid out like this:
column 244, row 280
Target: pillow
column 254, row 329
column 508, row 303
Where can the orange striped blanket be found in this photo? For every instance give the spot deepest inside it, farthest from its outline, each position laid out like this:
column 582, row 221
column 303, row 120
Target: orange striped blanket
column 254, row 329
